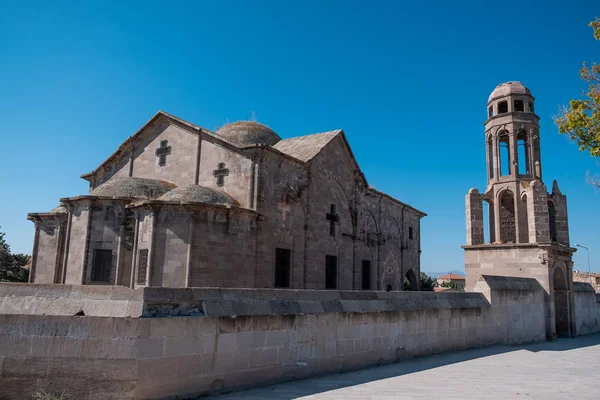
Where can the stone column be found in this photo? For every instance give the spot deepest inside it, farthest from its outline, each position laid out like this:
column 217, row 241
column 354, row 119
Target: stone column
column 474, row 212
column 537, row 210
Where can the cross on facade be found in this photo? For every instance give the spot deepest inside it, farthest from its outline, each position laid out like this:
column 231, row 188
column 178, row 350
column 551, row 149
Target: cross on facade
column 333, row 218
column 163, row 150
column 220, row 173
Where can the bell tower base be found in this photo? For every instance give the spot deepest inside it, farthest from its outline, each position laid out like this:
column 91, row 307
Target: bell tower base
column 550, row 263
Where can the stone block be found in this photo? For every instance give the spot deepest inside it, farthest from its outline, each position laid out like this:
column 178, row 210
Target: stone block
column 149, row 348
column 227, row 342
column 22, row 367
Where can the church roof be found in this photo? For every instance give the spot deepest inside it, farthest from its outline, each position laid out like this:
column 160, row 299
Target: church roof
column 199, row 194
column 139, row 188
column 304, row 148
column 248, row 133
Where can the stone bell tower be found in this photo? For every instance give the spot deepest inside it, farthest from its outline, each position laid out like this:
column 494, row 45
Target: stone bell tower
column 526, row 232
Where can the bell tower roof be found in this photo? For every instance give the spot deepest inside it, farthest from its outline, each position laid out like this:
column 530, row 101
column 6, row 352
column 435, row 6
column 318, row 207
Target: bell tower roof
column 508, row 88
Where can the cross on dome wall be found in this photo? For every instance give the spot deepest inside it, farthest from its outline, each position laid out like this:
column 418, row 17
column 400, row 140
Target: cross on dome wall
column 220, row 173
column 162, row 152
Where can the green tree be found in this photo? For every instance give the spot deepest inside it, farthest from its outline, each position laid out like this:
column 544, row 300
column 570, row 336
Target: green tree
column 580, row 120
column 11, row 265
column 451, row 285
column 427, row 284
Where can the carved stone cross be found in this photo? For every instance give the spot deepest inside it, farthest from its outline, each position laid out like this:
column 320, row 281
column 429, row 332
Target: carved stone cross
column 163, row 150
column 220, row 173
column 333, row 218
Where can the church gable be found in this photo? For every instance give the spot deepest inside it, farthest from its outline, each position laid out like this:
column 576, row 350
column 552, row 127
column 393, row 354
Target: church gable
column 164, row 148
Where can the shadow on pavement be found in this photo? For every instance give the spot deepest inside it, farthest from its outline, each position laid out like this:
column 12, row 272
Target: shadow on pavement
column 324, row 383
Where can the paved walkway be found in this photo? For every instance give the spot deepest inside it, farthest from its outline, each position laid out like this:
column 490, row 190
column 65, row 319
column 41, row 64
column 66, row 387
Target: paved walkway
column 565, row 369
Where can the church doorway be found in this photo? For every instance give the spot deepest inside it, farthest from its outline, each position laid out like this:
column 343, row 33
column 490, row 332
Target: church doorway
column 410, row 281
column 561, row 302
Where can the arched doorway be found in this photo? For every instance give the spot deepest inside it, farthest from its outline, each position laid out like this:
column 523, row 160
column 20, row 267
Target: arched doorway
column 561, row 302
column 410, row 281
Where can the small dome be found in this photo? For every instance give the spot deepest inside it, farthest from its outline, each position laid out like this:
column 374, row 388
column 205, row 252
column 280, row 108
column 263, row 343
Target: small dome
column 199, row 194
column 139, row 188
column 246, row 133
column 508, row 88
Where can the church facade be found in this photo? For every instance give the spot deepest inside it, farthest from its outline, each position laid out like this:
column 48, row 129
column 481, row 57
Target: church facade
column 180, row 206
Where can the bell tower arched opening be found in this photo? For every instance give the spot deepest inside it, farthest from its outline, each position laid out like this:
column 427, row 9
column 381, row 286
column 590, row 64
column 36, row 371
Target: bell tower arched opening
column 523, row 157
column 410, row 281
column 507, row 217
column 504, row 144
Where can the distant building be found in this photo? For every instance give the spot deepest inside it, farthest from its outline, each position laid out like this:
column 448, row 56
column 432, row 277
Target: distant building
column 459, row 281
column 591, row 278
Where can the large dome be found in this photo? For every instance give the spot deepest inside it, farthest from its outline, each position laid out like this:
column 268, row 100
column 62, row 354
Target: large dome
column 247, row 133
column 508, row 88
column 199, row 194
column 138, row 188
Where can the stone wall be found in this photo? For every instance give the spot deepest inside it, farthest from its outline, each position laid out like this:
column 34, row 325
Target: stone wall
column 587, row 309
column 196, row 341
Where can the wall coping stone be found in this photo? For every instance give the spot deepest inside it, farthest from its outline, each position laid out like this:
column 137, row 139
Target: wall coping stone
column 151, row 302
column 583, row 287
column 511, row 283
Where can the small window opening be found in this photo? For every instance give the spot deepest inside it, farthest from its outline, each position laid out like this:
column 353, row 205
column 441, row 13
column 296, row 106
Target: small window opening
column 366, row 275
column 410, row 232
column 490, row 111
column 530, row 108
column 330, row 272
column 388, row 288
column 101, row 265
column 502, row 107
column 282, row 267
column 519, row 105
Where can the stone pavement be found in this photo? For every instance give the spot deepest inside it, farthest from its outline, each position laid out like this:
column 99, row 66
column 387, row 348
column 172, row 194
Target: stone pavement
column 564, row 369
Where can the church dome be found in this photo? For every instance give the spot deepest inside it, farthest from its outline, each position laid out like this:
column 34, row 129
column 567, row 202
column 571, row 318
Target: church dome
column 60, row 209
column 508, row 88
column 247, row 133
column 199, row 194
column 139, row 188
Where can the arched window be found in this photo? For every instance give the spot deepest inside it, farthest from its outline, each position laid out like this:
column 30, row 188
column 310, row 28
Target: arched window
column 523, row 153
column 504, row 159
column 523, row 221
column 502, row 107
column 488, row 221
column 519, row 105
column 490, row 158
column 552, row 221
column 491, row 111
column 507, row 217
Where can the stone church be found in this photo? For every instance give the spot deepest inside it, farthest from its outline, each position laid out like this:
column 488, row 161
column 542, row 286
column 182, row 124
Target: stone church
column 526, row 232
column 177, row 205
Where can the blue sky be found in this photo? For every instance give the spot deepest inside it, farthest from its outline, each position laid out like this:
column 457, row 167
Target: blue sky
column 407, row 82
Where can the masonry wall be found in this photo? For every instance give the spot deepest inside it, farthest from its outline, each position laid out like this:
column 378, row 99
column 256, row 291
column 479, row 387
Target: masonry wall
column 76, row 243
column 48, row 255
column 276, row 335
column 587, row 309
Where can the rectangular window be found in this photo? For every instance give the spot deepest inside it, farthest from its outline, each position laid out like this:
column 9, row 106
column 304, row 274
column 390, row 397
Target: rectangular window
column 330, row 272
column 366, row 275
column 142, row 266
column 490, row 111
column 101, row 265
column 410, row 232
column 519, row 105
column 502, row 107
column 283, row 258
